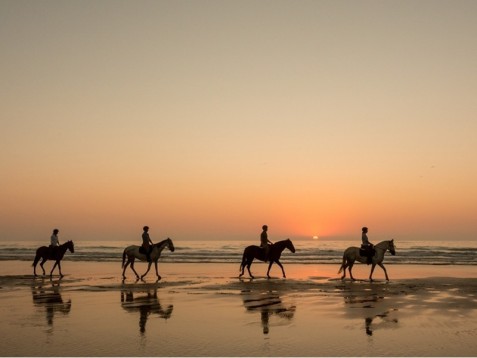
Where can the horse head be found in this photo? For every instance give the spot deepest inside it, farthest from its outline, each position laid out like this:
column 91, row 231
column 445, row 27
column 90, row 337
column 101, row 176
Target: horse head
column 170, row 245
column 391, row 247
column 70, row 246
column 289, row 245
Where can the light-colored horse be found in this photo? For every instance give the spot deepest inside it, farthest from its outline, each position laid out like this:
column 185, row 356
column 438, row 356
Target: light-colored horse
column 132, row 252
column 351, row 255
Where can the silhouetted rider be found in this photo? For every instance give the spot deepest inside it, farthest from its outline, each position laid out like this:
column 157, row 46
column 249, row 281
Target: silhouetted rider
column 147, row 243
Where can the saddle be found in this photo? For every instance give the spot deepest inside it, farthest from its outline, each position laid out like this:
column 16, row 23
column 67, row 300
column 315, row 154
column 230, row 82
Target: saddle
column 143, row 251
column 264, row 252
column 53, row 252
column 367, row 251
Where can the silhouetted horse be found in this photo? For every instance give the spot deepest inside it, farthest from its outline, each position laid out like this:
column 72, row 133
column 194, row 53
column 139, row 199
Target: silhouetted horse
column 46, row 253
column 256, row 252
column 351, row 255
column 133, row 252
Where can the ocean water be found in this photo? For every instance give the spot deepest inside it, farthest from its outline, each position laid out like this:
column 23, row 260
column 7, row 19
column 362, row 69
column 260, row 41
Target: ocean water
column 307, row 251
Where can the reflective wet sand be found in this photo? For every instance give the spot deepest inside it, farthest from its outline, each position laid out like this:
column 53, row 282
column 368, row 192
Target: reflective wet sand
column 205, row 310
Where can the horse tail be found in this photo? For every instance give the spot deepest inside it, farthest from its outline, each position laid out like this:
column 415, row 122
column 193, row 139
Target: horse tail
column 37, row 258
column 124, row 258
column 343, row 264
column 244, row 261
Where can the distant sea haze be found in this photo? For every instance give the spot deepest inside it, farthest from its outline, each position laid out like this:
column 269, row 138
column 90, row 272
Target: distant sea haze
column 307, row 252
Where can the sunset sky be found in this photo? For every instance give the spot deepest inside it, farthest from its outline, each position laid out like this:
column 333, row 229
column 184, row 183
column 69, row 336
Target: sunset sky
column 208, row 119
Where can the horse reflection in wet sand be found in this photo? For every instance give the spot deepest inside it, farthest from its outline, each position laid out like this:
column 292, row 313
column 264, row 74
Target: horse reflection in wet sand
column 351, row 255
column 256, row 252
column 133, row 252
column 145, row 304
column 267, row 303
column 368, row 302
column 49, row 298
column 46, row 253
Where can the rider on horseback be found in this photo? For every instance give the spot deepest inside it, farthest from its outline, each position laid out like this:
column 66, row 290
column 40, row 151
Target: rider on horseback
column 366, row 246
column 264, row 242
column 147, row 243
column 54, row 243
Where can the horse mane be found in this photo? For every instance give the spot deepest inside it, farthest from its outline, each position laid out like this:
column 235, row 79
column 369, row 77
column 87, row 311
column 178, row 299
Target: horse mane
column 160, row 243
column 281, row 241
column 384, row 242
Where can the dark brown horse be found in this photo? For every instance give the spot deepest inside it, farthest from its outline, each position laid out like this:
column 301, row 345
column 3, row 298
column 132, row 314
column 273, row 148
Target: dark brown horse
column 46, row 253
column 256, row 252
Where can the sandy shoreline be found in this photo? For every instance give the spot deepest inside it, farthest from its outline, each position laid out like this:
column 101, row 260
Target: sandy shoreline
column 205, row 310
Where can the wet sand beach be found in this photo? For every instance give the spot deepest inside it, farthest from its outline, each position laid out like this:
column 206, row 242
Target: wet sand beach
column 205, row 310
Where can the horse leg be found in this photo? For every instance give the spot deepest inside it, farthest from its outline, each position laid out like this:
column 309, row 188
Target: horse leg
column 59, row 268
column 148, row 268
column 344, row 266
column 242, row 265
column 242, row 268
column 372, row 270
column 384, row 269
column 124, row 269
column 157, row 273
column 281, row 266
column 351, row 273
column 132, row 268
column 51, row 272
column 35, row 262
column 41, row 265
column 34, row 266
column 249, row 263
column 269, row 267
